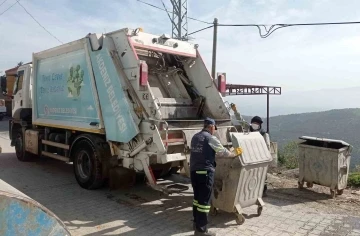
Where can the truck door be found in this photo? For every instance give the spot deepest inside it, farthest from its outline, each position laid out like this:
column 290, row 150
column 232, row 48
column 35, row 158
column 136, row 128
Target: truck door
column 17, row 101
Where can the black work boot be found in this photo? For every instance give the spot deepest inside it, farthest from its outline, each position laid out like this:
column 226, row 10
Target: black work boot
column 206, row 233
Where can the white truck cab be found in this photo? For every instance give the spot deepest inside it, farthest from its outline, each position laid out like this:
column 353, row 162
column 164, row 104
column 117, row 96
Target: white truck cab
column 22, row 97
column 2, row 109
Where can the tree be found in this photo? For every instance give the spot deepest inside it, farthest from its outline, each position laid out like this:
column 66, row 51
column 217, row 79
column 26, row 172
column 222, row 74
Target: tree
column 20, row 63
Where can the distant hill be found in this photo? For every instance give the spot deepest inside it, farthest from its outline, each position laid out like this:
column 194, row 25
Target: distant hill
column 298, row 101
column 343, row 124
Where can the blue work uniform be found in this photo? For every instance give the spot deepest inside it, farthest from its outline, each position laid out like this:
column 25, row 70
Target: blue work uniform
column 204, row 148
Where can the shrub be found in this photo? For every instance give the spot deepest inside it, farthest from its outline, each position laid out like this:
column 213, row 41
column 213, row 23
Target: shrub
column 354, row 179
column 288, row 156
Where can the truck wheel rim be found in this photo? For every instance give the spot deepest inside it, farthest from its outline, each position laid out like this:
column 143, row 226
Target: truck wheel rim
column 84, row 165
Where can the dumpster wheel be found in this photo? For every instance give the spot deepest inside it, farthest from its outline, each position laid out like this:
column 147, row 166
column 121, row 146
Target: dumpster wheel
column 301, row 184
column 333, row 193
column 213, row 211
column 240, row 219
column 340, row 191
column 259, row 210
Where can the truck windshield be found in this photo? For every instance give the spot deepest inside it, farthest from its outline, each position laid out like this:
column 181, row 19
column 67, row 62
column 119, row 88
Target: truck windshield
column 18, row 82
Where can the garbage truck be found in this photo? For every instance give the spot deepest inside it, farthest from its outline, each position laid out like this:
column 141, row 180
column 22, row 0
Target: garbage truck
column 118, row 103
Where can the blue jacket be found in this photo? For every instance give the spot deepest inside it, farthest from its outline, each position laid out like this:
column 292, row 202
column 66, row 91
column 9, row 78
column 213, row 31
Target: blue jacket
column 204, row 147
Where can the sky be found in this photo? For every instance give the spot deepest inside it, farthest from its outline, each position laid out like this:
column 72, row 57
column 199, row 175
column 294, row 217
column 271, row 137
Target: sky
column 296, row 58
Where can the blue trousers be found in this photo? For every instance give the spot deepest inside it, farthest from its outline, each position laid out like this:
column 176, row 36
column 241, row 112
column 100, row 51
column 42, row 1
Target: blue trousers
column 202, row 182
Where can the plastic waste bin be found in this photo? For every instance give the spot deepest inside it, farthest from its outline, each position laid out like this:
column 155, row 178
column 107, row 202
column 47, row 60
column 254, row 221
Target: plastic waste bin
column 325, row 162
column 21, row 215
column 239, row 182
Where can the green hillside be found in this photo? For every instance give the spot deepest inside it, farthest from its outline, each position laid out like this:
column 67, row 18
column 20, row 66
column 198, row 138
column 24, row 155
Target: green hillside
column 343, row 124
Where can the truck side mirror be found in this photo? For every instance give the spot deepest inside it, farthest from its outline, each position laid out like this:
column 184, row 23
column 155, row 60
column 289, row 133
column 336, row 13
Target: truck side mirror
column 3, row 84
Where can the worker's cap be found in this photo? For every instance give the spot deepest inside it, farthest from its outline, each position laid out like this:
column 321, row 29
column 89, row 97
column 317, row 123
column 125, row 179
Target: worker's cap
column 209, row 121
column 257, row 119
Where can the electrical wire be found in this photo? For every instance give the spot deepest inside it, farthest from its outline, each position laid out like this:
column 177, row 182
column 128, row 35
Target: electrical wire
column 39, row 22
column 8, row 8
column 3, row 2
column 200, row 30
column 268, row 32
column 190, row 18
column 18, row 2
column 275, row 27
column 299, row 24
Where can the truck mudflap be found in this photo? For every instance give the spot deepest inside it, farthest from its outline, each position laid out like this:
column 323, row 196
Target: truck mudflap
column 21, row 215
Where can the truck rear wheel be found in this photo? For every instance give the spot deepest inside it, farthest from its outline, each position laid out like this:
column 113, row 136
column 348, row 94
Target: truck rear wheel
column 87, row 165
column 21, row 154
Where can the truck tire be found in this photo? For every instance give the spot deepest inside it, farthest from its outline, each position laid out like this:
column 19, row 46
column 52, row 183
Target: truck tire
column 160, row 170
column 173, row 170
column 87, row 165
column 21, row 154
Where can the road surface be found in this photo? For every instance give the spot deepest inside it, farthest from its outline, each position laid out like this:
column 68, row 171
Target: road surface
column 142, row 211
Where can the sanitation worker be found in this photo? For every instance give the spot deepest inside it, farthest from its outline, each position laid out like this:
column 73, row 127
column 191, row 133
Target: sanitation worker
column 255, row 126
column 204, row 147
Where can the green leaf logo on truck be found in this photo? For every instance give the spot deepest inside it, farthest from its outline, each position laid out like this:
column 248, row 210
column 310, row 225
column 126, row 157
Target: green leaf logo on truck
column 75, row 81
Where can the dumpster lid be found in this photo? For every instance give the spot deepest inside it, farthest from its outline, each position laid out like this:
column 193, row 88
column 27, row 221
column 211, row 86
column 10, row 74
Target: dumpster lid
column 254, row 148
column 325, row 140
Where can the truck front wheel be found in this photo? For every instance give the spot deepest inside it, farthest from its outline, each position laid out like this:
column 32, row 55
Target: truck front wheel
column 87, row 165
column 21, row 154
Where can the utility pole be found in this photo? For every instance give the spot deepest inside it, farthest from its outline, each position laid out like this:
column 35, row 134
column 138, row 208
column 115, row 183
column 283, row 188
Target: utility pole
column 179, row 19
column 213, row 67
column 268, row 110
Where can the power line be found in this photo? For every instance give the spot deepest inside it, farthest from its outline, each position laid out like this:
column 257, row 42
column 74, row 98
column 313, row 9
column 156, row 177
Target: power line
column 268, row 32
column 7, row 8
column 299, row 24
column 2, row 3
column 275, row 27
column 162, row 9
column 18, row 2
column 201, row 30
column 39, row 22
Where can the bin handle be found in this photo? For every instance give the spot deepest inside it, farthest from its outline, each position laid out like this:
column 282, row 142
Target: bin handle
column 349, row 150
column 246, row 131
column 344, row 167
